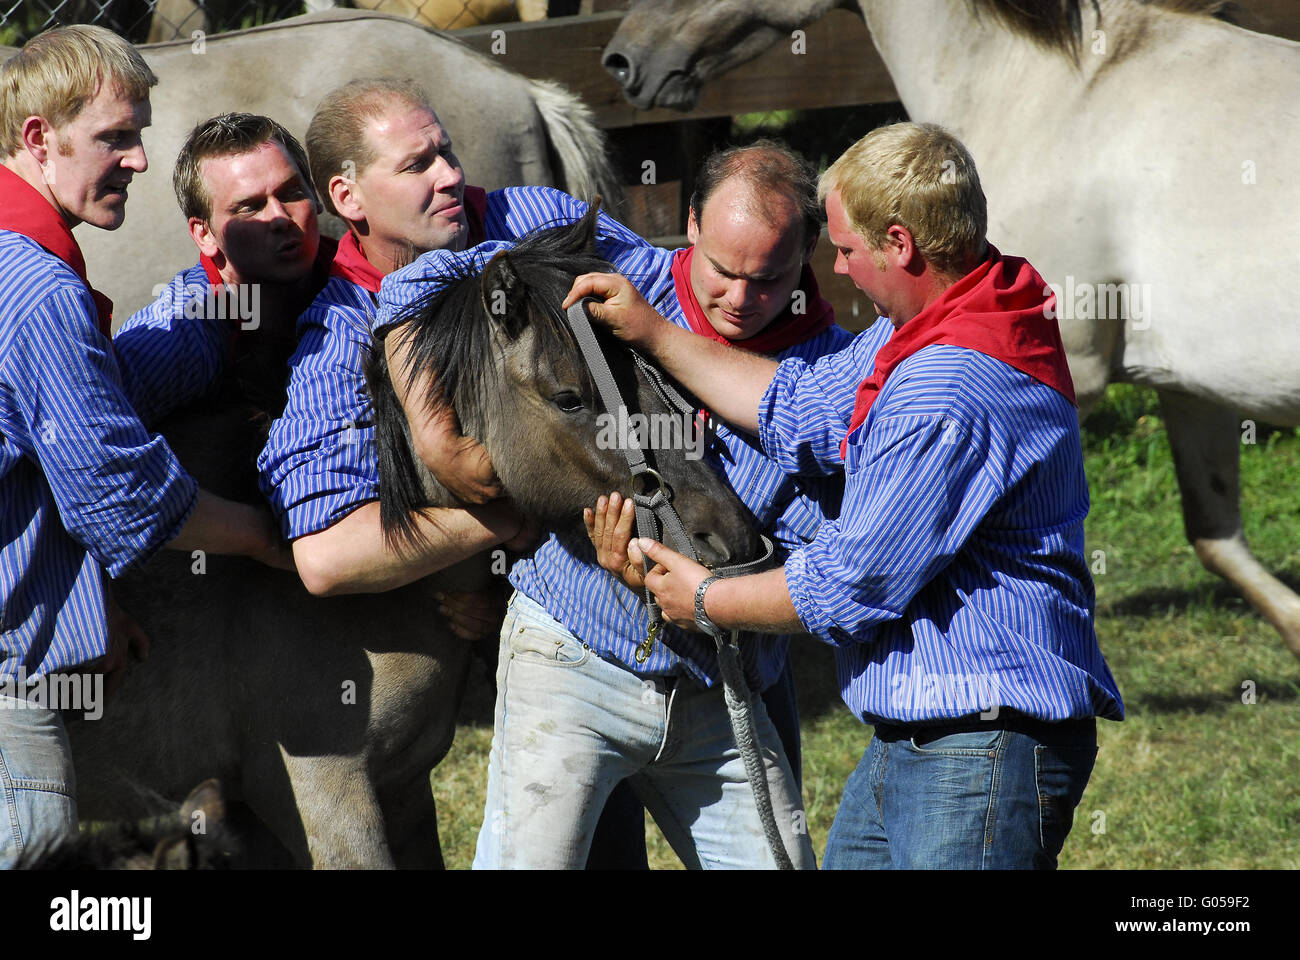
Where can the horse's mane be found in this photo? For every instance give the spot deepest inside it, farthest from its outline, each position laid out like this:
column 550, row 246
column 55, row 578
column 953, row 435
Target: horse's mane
column 451, row 338
column 1059, row 23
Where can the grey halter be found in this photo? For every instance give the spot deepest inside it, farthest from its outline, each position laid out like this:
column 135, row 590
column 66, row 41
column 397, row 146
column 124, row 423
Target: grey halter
column 652, row 497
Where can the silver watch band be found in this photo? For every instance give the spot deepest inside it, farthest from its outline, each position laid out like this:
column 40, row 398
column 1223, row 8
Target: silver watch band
column 701, row 618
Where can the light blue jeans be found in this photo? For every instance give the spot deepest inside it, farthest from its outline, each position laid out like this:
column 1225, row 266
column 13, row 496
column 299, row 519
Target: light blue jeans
column 570, row 726
column 36, row 777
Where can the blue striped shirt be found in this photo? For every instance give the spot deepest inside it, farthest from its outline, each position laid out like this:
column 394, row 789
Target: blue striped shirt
column 82, row 484
column 589, row 601
column 954, row 579
column 319, row 463
column 172, row 351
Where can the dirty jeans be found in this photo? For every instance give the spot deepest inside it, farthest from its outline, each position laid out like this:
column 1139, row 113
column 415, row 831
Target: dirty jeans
column 37, row 783
column 569, row 726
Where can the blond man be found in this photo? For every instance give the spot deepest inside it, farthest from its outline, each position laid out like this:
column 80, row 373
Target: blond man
column 953, row 585
column 86, row 488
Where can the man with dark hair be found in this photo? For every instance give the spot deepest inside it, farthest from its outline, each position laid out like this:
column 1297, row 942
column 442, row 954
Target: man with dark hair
column 242, row 182
column 586, row 699
column 86, row 488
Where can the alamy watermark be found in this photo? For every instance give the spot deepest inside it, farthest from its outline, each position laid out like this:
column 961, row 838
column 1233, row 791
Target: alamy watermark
column 1100, row 301
column 210, row 301
column 82, row 692
column 965, row 692
column 654, row 431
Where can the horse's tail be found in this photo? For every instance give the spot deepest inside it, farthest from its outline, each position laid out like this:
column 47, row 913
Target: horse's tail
column 579, row 150
column 401, row 495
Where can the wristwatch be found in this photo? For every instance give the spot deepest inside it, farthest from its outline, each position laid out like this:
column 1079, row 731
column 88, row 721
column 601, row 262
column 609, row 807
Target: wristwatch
column 701, row 618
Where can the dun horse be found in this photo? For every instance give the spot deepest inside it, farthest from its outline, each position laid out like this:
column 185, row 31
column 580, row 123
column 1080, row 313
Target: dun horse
column 1137, row 153
column 323, row 717
column 519, row 383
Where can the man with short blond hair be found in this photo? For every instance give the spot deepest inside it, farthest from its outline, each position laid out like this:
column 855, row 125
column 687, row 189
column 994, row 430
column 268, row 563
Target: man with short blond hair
column 86, row 488
column 953, row 586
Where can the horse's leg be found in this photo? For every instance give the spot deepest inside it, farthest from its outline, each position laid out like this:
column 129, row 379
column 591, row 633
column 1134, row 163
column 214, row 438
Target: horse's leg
column 1206, row 443
column 259, row 847
column 411, row 816
column 340, row 813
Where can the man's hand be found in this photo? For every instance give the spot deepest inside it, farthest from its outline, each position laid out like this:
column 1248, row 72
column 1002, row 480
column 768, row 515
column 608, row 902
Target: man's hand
column 476, row 615
column 516, row 531
column 458, row 462
column 609, row 527
column 624, row 310
column 673, row 580
column 126, row 638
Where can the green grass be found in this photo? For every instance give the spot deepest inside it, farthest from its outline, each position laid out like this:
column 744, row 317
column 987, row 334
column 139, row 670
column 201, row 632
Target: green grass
column 1194, row 777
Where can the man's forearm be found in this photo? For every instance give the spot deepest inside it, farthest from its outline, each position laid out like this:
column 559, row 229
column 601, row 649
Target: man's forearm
column 352, row 557
column 729, row 382
column 760, row 603
column 226, row 527
column 459, row 463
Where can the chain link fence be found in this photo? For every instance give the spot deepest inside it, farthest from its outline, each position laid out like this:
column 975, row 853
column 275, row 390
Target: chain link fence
column 152, row 21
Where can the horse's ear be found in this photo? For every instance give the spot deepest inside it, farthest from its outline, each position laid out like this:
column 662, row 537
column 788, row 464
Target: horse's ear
column 504, row 294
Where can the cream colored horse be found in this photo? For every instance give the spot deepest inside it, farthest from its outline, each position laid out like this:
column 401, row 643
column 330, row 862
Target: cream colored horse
column 1141, row 155
column 178, row 19
column 454, row 14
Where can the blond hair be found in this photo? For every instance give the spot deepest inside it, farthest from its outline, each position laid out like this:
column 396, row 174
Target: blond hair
column 918, row 176
column 59, row 72
column 336, row 138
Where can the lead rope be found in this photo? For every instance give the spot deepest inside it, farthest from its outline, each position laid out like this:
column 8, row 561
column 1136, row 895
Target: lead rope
column 654, row 510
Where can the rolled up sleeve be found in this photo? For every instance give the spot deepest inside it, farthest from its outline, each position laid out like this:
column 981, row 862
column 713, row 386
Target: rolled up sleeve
column 319, row 461
column 805, row 411
column 120, row 491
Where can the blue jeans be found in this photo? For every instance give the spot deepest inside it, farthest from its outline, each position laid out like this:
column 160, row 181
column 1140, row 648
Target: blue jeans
column 995, row 798
column 569, row 726
column 37, row 781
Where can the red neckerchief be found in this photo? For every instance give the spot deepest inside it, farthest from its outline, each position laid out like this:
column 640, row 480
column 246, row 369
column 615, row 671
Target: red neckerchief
column 999, row 309
column 785, row 331
column 23, row 210
column 322, row 269
column 351, row 264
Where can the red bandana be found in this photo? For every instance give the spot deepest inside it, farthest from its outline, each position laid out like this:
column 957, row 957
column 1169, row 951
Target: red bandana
column 998, row 309
column 351, row 264
column 785, row 331
column 23, row 210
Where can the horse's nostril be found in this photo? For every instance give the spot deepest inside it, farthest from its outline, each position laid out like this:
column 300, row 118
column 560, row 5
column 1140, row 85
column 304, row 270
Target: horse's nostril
column 619, row 67
column 712, row 549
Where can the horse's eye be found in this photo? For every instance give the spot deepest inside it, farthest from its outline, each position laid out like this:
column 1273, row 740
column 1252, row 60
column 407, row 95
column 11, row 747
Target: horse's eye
column 568, row 401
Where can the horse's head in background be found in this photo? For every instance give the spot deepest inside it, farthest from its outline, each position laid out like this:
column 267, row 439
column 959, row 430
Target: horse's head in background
column 499, row 347
column 664, row 51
